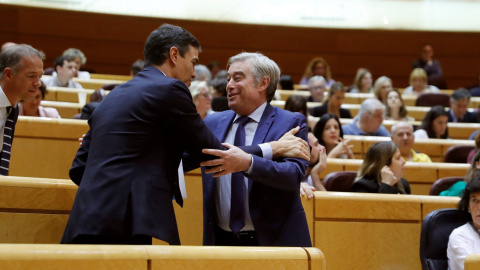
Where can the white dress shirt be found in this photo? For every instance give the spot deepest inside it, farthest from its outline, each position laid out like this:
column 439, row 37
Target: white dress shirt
column 463, row 240
column 4, row 103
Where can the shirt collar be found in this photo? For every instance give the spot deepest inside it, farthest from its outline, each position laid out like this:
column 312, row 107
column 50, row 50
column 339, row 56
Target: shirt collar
column 255, row 115
column 4, row 102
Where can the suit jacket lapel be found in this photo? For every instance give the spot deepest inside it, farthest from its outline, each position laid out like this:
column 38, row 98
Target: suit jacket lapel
column 224, row 125
column 264, row 125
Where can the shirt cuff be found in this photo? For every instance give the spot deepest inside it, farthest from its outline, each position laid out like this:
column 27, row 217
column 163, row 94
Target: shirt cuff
column 267, row 151
column 250, row 169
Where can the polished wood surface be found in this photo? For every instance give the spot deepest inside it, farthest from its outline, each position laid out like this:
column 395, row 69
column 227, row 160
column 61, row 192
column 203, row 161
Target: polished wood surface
column 472, row 262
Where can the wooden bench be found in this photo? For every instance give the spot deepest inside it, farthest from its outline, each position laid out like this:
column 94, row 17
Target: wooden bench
column 420, row 176
column 372, row 231
column 96, row 83
column 65, row 109
column 434, row 148
column 110, row 77
column 106, row 257
column 472, row 262
column 65, row 94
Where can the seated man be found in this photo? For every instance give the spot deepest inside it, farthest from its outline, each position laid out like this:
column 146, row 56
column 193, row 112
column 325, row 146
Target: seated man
column 368, row 121
column 65, row 68
column 459, row 101
column 316, row 86
column 402, row 136
column 318, row 162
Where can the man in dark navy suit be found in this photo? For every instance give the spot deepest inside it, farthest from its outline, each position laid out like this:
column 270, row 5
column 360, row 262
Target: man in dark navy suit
column 127, row 166
column 261, row 206
column 459, row 113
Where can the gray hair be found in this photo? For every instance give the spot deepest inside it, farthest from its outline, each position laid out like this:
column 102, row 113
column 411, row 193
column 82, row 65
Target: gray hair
column 74, row 53
column 262, row 67
column 196, row 88
column 11, row 57
column 397, row 125
column 203, row 73
column 459, row 94
column 368, row 107
column 315, row 79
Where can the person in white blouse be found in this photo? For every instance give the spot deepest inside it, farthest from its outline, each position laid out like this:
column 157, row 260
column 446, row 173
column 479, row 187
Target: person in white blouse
column 465, row 239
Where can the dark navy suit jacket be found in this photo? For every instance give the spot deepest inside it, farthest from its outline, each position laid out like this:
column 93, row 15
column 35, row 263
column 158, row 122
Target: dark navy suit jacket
column 274, row 185
column 127, row 166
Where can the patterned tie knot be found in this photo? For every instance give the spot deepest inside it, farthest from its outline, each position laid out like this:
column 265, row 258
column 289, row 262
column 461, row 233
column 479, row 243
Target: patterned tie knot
column 9, row 110
column 242, row 121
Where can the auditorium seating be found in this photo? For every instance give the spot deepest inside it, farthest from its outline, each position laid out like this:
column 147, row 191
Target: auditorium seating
column 110, row 77
column 96, row 83
column 65, row 94
column 419, row 175
column 107, row 257
column 443, row 184
column 65, row 109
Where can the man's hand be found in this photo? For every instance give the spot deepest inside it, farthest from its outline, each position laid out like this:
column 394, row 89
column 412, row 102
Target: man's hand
column 80, row 140
column 232, row 160
column 291, row 146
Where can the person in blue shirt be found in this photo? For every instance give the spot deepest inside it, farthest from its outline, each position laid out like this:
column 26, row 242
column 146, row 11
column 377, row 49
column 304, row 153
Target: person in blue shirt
column 368, row 121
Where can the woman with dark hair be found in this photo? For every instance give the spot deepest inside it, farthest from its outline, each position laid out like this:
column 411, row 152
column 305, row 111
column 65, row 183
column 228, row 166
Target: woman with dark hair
column 382, row 171
column 336, row 95
column 329, row 133
column 395, row 107
column 465, row 239
column 318, row 67
column 434, row 124
column 33, row 108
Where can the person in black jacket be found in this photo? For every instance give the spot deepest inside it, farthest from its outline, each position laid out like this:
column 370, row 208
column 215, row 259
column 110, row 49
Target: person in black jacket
column 382, row 171
column 336, row 95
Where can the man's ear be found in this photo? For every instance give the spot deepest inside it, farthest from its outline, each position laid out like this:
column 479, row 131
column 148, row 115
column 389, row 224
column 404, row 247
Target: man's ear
column 174, row 54
column 8, row 73
column 264, row 82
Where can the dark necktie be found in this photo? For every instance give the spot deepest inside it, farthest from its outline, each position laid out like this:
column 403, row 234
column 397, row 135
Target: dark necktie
column 237, row 204
column 7, row 141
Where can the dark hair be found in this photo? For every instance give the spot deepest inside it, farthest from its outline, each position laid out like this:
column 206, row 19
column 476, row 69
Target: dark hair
column 471, row 187
column 158, row 44
column 320, row 127
column 11, row 57
column 61, row 59
column 473, row 171
column 427, row 122
column 286, row 82
column 378, row 155
column 403, row 110
column 459, row 94
column 297, row 103
column 137, row 66
column 336, row 87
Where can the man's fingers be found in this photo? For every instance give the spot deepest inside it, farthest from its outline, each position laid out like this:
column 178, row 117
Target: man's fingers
column 293, row 131
column 213, row 152
column 211, row 163
column 227, row 145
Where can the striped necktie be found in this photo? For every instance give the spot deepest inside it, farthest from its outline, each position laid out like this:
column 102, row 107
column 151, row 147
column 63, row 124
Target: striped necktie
column 7, row 141
column 237, row 207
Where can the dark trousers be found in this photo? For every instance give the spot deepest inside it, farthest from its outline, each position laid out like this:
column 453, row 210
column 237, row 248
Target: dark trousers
column 138, row 239
column 224, row 238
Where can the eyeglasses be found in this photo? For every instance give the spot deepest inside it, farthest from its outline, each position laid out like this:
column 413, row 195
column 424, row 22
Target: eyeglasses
column 206, row 94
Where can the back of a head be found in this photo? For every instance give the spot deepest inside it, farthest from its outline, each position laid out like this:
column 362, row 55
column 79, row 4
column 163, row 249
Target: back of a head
column 297, row 103
column 12, row 56
column 137, row 66
column 378, row 155
column 286, row 82
column 161, row 40
column 459, row 94
column 203, row 73
column 73, row 53
column 262, row 67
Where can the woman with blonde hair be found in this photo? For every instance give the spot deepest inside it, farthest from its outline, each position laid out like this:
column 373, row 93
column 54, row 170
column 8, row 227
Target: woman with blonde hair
column 363, row 82
column 202, row 97
column 318, row 67
column 382, row 171
column 381, row 87
column 419, row 83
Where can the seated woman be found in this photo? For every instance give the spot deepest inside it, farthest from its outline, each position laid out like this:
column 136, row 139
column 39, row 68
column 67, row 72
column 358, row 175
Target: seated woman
column 381, row 87
column 473, row 172
column 363, row 82
column 202, row 97
column 434, row 124
column 418, row 83
column 465, row 239
column 318, row 67
column 382, row 171
column 329, row 133
column 297, row 103
column 336, row 95
column 476, row 138
column 33, row 108
column 395, row 107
